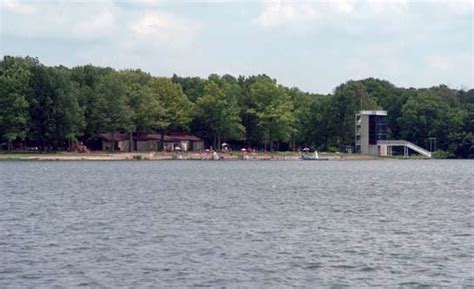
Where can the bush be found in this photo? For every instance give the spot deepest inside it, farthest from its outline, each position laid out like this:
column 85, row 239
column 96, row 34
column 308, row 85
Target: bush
column 138, row 157
column 440, row 154
column 332, row 149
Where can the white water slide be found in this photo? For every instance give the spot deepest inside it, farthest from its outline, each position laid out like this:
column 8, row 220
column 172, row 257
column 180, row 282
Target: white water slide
column 407, row 145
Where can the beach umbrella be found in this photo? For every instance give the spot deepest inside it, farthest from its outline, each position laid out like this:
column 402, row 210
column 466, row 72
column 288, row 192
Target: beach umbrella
column 306, row 149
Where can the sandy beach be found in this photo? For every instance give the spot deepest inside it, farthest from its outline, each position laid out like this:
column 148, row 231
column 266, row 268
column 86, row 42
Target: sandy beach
column 158, row 156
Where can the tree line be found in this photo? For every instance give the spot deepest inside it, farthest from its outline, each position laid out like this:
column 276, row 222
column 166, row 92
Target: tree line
column 54, row 106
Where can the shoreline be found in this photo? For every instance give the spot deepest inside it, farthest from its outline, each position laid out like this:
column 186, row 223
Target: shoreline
column 158, row 156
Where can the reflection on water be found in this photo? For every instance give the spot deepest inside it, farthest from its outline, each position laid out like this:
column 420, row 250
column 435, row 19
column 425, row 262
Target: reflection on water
column 254, row 224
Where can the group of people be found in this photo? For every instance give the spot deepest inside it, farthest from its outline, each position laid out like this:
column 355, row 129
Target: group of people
column 78, row 148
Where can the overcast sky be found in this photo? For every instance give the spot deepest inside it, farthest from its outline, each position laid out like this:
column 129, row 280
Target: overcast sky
column 314, row 45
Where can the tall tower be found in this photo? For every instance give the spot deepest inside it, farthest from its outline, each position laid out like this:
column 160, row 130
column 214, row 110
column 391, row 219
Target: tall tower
column 370, row 127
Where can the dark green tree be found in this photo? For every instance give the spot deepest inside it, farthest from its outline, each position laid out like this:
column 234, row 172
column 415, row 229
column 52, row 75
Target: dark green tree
column 320, row 124
column 272, row 109
column 177, row 109
column 54, row 111
column 14, row 78
column 85, row 79
column 219, row 115
column 114, row 113
column 348, row 99
column 193, row 87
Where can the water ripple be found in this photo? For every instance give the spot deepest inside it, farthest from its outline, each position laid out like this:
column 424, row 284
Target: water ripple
column 237, row 224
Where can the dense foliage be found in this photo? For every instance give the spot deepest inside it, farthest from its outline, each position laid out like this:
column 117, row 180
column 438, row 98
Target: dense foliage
column 52, row 107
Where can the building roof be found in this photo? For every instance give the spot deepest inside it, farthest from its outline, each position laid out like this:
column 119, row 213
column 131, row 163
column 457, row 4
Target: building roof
column 138, row 136
column 174, row 136
column 116, row 137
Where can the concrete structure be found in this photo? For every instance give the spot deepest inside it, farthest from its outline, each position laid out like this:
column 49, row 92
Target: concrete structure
column 371, row 136
column 387, row 145
column 370, row 127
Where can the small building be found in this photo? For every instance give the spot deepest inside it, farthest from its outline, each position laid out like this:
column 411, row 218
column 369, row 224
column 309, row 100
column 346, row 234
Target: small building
column 150, row 142
column 370, row 127
column 118, row 141
column 146, row 142
column 183, row 141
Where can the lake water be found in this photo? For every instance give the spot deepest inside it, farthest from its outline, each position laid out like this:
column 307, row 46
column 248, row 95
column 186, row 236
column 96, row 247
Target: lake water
column 237, row 224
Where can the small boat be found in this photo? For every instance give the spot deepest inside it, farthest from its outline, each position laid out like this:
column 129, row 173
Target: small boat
column 312, row 157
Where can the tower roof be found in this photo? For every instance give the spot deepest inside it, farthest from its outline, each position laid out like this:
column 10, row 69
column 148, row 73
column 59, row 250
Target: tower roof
column 373, row 112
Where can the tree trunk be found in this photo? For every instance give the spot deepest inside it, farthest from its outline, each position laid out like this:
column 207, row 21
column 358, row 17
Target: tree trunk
column 270, row 141
column 214, row 142
column 326, row 142
column 112, row 147
column 162, row 140
column 130, row 139
column 219, row 142
column 9, row 146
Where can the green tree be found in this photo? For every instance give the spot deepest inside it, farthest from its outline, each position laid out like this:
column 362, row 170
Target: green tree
column 147, row 109
column 348, row 99
column 389, row 97
column 177, row 109
column 465, row 143
column 425, row 115
column 219, row 115
column 14, row 77
column 272, row 108
column 193, row 87
column 114, row 113
column 54, row 111
column 320, row 125
column 302, row 103
column 85, row 79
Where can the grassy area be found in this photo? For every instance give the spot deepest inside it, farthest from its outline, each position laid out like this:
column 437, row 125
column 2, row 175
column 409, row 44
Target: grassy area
column 32, row 155
column 14, row 156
